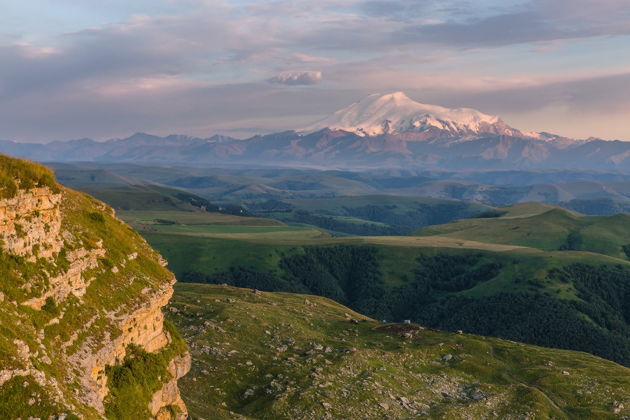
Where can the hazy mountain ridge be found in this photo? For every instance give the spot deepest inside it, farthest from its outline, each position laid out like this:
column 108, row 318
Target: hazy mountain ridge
column 336, row 149
column 590, row 192
column 389, row 131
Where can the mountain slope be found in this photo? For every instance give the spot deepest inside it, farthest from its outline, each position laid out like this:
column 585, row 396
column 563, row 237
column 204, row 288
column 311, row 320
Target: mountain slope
column 382, row 131
column 544, row 227
column 82, row 332
column 285, row 356
column 396, row 113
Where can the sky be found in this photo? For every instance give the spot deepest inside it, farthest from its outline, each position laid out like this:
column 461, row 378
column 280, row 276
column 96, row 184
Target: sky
column 104, row 69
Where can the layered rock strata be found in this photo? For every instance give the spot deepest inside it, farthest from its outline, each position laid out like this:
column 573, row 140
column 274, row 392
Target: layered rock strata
column 78, row 289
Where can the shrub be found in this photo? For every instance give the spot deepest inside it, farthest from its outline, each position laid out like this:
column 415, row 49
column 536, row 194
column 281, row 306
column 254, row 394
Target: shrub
column 97, row 217
column 489, row 214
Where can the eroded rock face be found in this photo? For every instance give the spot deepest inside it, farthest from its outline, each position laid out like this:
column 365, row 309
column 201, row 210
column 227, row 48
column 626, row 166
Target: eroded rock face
column 169, row 396
column 31, row 219
column 144, row 327
column 78, row 288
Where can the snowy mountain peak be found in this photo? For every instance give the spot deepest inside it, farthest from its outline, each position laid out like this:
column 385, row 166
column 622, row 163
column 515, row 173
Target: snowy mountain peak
column 395, row 112
column 394, row 96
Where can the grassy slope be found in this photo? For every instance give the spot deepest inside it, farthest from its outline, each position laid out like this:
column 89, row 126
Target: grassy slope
column 21, row 174
column 213, row 252
column 338, row 204
column 218, row 226
column 212, row 242
column 60, row 328
column 128, row 192
column 143, row 197
column 211, row 257
column 399, row 214
column 289, row 356
column 543, row 227
column 149, row 217
column 138, row 197
column 606, row 235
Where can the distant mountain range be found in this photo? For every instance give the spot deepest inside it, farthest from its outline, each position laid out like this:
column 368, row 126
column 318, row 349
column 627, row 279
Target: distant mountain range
column 125, row 185
column 381, row 131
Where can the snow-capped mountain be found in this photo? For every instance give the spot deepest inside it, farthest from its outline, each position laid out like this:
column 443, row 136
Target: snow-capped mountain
column 381, row 131
column 396, row 113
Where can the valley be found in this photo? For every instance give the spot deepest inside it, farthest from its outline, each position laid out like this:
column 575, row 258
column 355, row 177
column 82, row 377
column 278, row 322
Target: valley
column 558, row 278
column 533, row 273
column 261, row 355
column 343, row 261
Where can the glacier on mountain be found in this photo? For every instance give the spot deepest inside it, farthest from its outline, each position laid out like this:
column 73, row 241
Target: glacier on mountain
column 395, row 113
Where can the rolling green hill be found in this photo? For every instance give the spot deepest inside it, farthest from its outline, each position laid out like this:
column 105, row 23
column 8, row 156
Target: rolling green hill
column 218, row 226
column 132, row 190
column 563, row 299
column 441, row 281
column 154, row 197
column 368, row 214
column 289, row 356
column 544, row 227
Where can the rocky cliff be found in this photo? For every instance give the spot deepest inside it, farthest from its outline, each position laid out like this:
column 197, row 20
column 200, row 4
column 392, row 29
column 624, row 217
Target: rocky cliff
column 82, row 334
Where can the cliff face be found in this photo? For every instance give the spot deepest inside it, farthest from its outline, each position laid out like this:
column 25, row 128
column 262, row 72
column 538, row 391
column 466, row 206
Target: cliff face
column 81, row 327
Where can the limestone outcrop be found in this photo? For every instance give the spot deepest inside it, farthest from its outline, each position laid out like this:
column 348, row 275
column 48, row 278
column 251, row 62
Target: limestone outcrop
column 81, row 299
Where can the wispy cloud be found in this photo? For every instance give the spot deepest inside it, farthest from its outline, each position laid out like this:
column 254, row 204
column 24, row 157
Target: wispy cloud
column 534, row 21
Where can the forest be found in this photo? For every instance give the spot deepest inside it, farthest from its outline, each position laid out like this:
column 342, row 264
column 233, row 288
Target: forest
column 435, row 295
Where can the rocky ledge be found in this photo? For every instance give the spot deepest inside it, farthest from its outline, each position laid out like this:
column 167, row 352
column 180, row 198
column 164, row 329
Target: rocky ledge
column 81, row 297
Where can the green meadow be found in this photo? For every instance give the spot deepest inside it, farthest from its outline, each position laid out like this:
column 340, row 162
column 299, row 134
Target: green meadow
column 288, row 356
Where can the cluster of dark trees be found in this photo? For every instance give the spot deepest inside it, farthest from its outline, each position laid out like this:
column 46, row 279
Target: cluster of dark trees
column 597, row 206
column 347, row 274
column 490, row 214
column 352, row 228
column 243, row 277
column 604, row 294
column 573, row 242
column 390, row 218
column 413, row 218
column 269, row 206
column 598, row 323
column 529, row 318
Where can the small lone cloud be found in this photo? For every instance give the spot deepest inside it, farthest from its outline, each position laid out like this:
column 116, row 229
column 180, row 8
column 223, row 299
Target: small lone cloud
column 296, row 78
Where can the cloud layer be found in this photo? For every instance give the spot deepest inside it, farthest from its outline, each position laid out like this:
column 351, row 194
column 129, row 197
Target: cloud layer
column 240, row 67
